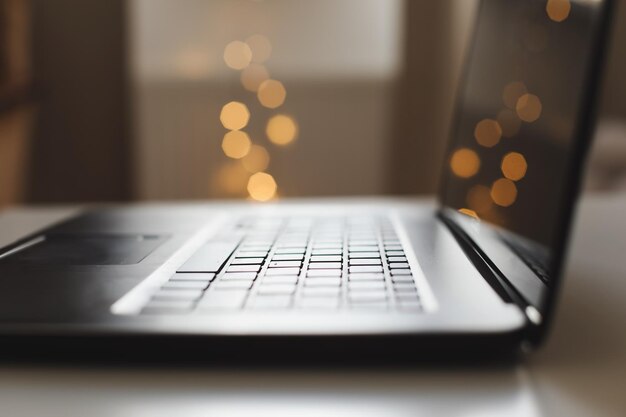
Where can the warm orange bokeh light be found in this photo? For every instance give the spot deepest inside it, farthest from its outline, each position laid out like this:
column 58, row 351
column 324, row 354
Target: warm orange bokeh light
column 234, row 115
column 528, row 108
column 236, row 144
column 253, row 76
column 262, row 186
column 281, row 129
column 237, row 55
column 258, row 159
column 464, row 163
column 512, row 92
column 272, row 94
column 558, row 10
column 468, row 212
column 514, row 166
column 488, row 132
column 261, row 48
column 232, row 178
column 503, row 192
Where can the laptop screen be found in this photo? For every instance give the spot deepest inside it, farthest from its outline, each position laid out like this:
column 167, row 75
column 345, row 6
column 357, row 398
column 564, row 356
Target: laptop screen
column 521, row 122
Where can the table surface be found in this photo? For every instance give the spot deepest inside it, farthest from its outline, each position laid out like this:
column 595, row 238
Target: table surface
column 580, row 372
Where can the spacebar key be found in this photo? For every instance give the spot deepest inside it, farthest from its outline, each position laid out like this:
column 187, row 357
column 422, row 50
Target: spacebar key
column 210, row 257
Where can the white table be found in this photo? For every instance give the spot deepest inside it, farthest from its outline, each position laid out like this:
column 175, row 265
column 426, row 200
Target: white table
column 581, row 372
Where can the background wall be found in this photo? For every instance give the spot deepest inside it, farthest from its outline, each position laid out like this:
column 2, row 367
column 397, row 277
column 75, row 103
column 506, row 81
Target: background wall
column 339, row 62
column 130, row 94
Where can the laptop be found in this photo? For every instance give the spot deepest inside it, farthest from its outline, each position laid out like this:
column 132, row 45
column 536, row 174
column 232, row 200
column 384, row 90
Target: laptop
column 476, row 274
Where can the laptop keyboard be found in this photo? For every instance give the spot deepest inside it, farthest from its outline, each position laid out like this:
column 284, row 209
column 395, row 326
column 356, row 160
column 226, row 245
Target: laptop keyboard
column 324, row 263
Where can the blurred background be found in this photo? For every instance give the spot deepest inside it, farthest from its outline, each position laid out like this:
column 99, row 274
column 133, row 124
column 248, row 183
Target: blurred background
column 193, row 99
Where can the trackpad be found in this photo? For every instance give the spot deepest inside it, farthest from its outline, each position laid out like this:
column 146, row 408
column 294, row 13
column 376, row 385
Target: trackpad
column 85, row 249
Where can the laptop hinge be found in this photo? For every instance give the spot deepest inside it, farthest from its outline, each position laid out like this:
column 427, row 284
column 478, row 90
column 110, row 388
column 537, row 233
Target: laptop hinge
column 490, row 272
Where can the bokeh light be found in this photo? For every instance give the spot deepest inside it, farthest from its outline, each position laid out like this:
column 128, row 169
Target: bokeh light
column 236, row 144
column 512, row 92
column 488, row 132
column 464, row 163
column 237, row 55
column 514, row 166
column 468, row 212
column 281, row 129
column 257, row 159
column 261, row 48
column 232, row 178
column 479, row 198
column 528, row 107
column 234, row 115
column 252, row 77
column 509, row 122
column 262, row 186
column 558, row 10
column 503, row 192
column 272, row 93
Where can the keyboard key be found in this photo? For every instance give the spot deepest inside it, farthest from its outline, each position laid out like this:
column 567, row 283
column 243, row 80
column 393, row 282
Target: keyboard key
column 288, row 257
column 321, row 291
column 247, row 261
column 271, row 302
column 255, row 254
column 367, row 296
column 222, row 300
column 185, row 285
column 364, row 255
column 400, row 265
column 356, row 262
column 402, row 279
column 404, row 288
column 280, row 279
column 327, row 258
column 282, row 271
column 353, row 249
column 277, row 289
column 244, row 268
column 327, row 246
column 168, row 307
column 366, row 285
column 393, row 248
column 322, row 282
column 401, row 272
column 325, row 265
column 391, row 253
column 285, row 264
column 366, row 277
column 180, row 295
column 247, row 276
column 291, row 251
column 232, row 285
column 193, row 276
column 325, row 252
column 395, row 259
column 314, row 273
column 368, row 269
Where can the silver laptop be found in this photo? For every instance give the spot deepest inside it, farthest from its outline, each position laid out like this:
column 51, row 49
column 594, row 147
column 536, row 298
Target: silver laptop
column 475, row 274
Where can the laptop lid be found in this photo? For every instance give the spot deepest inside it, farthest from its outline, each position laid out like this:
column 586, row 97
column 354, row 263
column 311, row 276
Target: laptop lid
column 522, row 128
